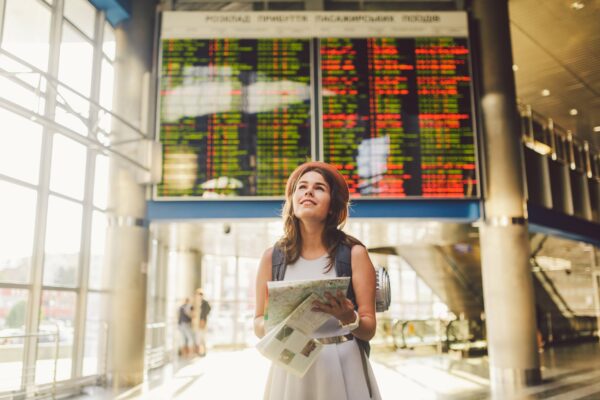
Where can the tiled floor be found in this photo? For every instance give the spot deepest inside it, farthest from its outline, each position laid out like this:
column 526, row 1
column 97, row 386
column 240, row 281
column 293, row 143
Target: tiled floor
column 569, row 373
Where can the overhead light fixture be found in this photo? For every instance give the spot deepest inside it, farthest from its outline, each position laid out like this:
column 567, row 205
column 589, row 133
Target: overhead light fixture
column 515, row 67
column 597, row 129
column 538, row 147
column 577, row 5
column 573, row 112
column 545, row 93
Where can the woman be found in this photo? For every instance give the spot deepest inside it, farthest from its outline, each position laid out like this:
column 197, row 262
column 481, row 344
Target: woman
column 315, row 209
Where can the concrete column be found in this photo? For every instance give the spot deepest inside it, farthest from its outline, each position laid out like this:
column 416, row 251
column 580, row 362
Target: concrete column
column 187, row 265
column 127, row 238
column 507, row 279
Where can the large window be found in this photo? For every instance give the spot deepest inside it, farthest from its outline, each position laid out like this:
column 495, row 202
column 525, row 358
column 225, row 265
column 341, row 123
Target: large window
column 20, row 85
column 20, row 144
column 77, row 75
column 58, row 314
column 17, row 213
column 109, row 45
column 68, row 167
column 82, row 14
column 63, row 238
column 101, row 182
column 75, row 46
column 47, row 206
column 13, row 310
column 106, row 84
column 412, row 299
column 229, row 284
column 99, row 272
column 96, row 334
column 26, row 31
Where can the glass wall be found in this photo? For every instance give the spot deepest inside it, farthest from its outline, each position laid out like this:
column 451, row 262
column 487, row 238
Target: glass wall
column 54, row 185
column 412, row 298
column 229, row 286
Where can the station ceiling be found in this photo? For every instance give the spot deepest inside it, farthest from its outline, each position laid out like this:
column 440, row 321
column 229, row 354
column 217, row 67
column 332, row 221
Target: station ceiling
column 556, row 50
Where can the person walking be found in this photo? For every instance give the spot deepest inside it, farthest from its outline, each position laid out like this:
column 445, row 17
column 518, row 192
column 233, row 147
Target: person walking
column 184, row 323
column 204, row 310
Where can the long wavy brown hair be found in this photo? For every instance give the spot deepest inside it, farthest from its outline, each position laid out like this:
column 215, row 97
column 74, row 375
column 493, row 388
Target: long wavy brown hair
column 333, row 236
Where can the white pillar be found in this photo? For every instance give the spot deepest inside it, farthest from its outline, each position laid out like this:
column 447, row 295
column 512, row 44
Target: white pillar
column 127, row 238
column 507, row 278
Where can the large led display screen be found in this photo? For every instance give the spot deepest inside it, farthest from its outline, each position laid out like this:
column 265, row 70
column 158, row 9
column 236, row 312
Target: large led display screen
column 385, row 97
column 397, row 115
column 235, row 115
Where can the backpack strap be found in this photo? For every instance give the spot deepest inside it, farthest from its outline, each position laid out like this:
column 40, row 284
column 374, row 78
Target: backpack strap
column 278, row 264
column 343, row 267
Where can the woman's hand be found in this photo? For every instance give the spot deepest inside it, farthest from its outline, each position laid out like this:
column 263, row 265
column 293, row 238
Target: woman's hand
column 338, row 306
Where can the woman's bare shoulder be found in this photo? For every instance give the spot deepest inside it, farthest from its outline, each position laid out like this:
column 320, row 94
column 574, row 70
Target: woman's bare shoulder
column 264, row 267
column 267, row 256
column 360, row 259
column 359, row 250
column 268, row 252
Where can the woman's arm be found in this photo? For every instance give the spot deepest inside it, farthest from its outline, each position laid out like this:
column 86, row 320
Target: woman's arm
column 263, row 276
column 363, row 283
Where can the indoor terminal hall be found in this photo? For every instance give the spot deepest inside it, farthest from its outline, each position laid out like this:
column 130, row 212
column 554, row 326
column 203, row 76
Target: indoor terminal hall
column 299, row 199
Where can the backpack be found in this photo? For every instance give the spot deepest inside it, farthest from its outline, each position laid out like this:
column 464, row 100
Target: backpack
column 343, row 267
column 183, row 317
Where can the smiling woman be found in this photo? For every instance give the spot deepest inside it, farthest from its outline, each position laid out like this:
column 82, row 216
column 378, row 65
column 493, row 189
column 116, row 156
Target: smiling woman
column 314, row 213
column 312, row 197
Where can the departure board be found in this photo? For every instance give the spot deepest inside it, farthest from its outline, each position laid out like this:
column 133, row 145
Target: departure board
column 234, row 115
column 396, row 115
column 386, row 97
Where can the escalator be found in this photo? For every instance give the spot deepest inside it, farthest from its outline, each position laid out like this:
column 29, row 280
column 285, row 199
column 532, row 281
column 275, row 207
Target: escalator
column 563, row 289
column 563, row 293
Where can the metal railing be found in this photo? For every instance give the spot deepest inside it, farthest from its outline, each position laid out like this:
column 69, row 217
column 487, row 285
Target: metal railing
column 410, row 334
column 28, row 372
column 544, row 136
column 559, row 328
column 102, row 378
column 155, row 351
column 465, row 336
column 29, row 388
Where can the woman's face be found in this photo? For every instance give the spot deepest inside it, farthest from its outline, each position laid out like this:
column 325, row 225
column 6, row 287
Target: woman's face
column 312, row 197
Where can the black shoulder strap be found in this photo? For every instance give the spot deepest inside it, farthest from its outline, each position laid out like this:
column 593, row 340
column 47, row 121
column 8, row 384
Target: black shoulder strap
column 343, row 260
column 278, row 264
column 343, row 267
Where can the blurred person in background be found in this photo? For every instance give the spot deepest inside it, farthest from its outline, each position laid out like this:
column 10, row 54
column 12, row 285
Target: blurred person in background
column 184, row 323
column 204, row 309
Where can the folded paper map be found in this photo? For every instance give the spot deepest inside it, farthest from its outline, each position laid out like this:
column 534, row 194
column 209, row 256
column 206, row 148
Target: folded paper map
column 289, row 344
column 284, row 296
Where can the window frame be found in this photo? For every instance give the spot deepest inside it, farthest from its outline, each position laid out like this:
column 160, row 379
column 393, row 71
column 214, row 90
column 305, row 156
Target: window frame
column 35, row 287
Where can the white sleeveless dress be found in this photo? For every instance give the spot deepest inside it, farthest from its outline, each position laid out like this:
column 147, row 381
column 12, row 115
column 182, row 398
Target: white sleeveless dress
column 337, row 374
